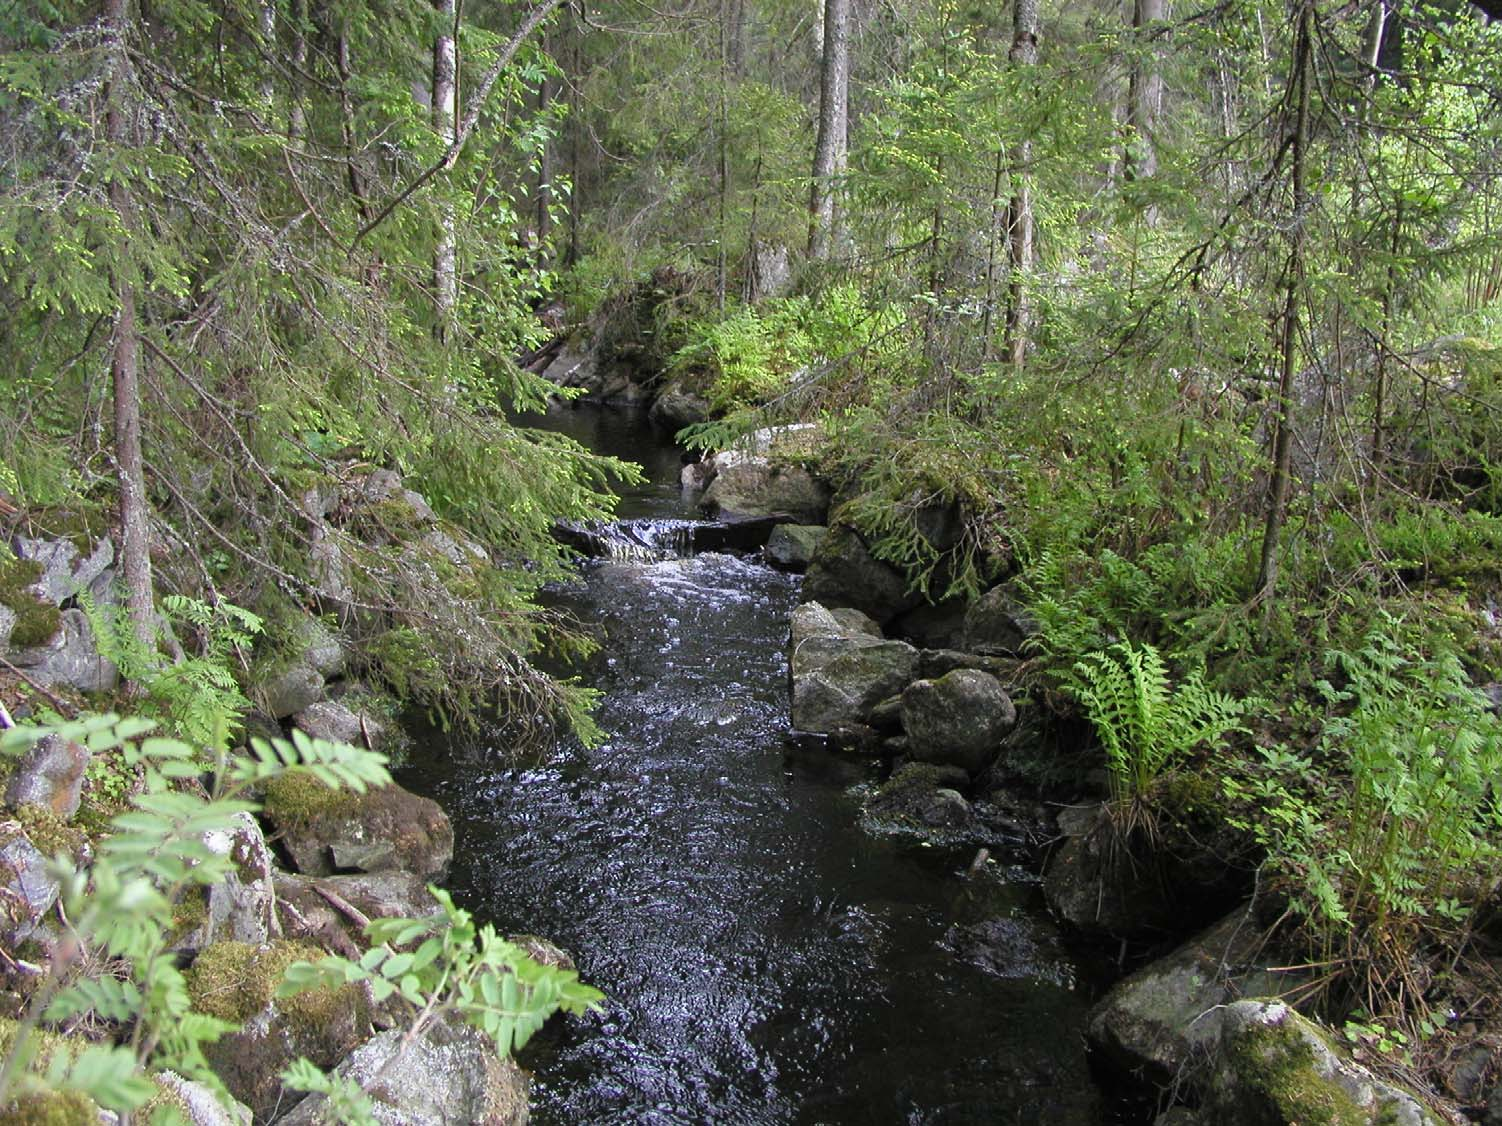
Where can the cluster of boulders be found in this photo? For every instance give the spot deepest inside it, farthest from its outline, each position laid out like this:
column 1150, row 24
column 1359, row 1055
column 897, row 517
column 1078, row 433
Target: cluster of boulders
column 307, row 875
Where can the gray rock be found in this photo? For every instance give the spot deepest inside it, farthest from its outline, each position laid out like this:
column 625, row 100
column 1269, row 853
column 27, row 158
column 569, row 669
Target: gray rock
column 958, row 719
column 290, row 691
column 377, row 485
column 331, row 720
column 241, row 907
column 677, row 407
column 1272, row 1067
column 201, row 1105
column 1152, row 1022
column 71, row 658
column 937, row 662
column 450, row 1074
column 50, row 774
column 575, row 366
column 65, row 570
column 422, row 511
column 921, row 797
column 998, row 624
column 841, row 669
column 7, row 623
column 377, row 895
column 843, row 572
column 317, row 647
column 792, row 546
column 27, row 892
column 758, row 486
column 330, row 570
column 461, row 552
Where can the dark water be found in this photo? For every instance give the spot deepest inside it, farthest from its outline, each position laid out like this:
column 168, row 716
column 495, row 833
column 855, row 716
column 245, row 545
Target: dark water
column 765, row 960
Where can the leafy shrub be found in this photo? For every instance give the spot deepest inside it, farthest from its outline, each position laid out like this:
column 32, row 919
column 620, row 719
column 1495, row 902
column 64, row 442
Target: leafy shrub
column 1387, row 833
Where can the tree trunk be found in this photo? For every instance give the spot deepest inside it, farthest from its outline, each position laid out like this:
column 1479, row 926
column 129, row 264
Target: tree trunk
column 1279, row 485
column 135, row 521
column 445, row 108
column 297, row 121
column 829, row 149
column 1024, row 53
column 1144, row 95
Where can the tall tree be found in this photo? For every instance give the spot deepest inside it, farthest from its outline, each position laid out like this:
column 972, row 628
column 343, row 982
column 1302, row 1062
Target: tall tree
column 1023, row 54
column 125, row 357
column 830, row 146
column 445, row 112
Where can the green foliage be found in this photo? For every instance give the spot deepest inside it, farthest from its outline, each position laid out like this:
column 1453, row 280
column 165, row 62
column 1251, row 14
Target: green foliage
column 113, row 968
column 1146, row 723
column 454, row 967
column 197, row 695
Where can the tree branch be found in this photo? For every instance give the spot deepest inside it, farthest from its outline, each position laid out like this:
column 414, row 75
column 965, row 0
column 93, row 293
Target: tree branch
column 470, row 120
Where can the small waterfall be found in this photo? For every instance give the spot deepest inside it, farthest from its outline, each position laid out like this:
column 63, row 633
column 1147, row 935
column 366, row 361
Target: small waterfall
column 647, row 540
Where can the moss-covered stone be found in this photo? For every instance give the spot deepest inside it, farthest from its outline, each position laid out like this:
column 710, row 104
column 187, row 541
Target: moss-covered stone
column 301, row 801
column 327, row 831
column 1272, row 1067
column 51, row 1108
column 49, row 832
column 1278, row 1063
column 36, row 619
column 237, row 981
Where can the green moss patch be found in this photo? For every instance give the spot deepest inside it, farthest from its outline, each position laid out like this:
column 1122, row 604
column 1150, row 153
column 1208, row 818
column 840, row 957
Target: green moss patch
column 51, row 1108
column 48, row 832
column 1279, row 1063
column 36, row 620
column 236, row 980
column 300, row 801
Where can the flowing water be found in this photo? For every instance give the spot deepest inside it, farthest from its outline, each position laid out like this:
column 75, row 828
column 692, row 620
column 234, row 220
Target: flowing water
column 765, row 960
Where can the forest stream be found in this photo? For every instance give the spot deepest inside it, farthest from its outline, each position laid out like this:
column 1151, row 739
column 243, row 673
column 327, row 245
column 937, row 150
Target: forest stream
column 765, row 959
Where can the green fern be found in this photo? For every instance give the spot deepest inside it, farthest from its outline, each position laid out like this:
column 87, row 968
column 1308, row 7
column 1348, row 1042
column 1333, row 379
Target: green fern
column 1144, row 722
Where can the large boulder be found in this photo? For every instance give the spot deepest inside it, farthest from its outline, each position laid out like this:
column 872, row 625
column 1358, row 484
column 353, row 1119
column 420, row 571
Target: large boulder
column 335, row 721
column 748, row 485
column 843, row 572
column 325, row 831
column 70, row 658
column 65, row 570
column 328, row 909
column 1151, row 1024
column 676, row 407
column 958, row 719
column 50, row 775
column 998, row 624
column 449, row 1074
column 237, row 982
column 842, row 669
column 1271, row 1067
column 792, row 546
column 290, row 690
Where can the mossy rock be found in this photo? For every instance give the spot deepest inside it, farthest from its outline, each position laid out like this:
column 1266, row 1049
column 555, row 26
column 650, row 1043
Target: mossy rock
column 51, row 1108
column 1273, row 1067
column 37, row 620
column 237, row 982
column 326, row 831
